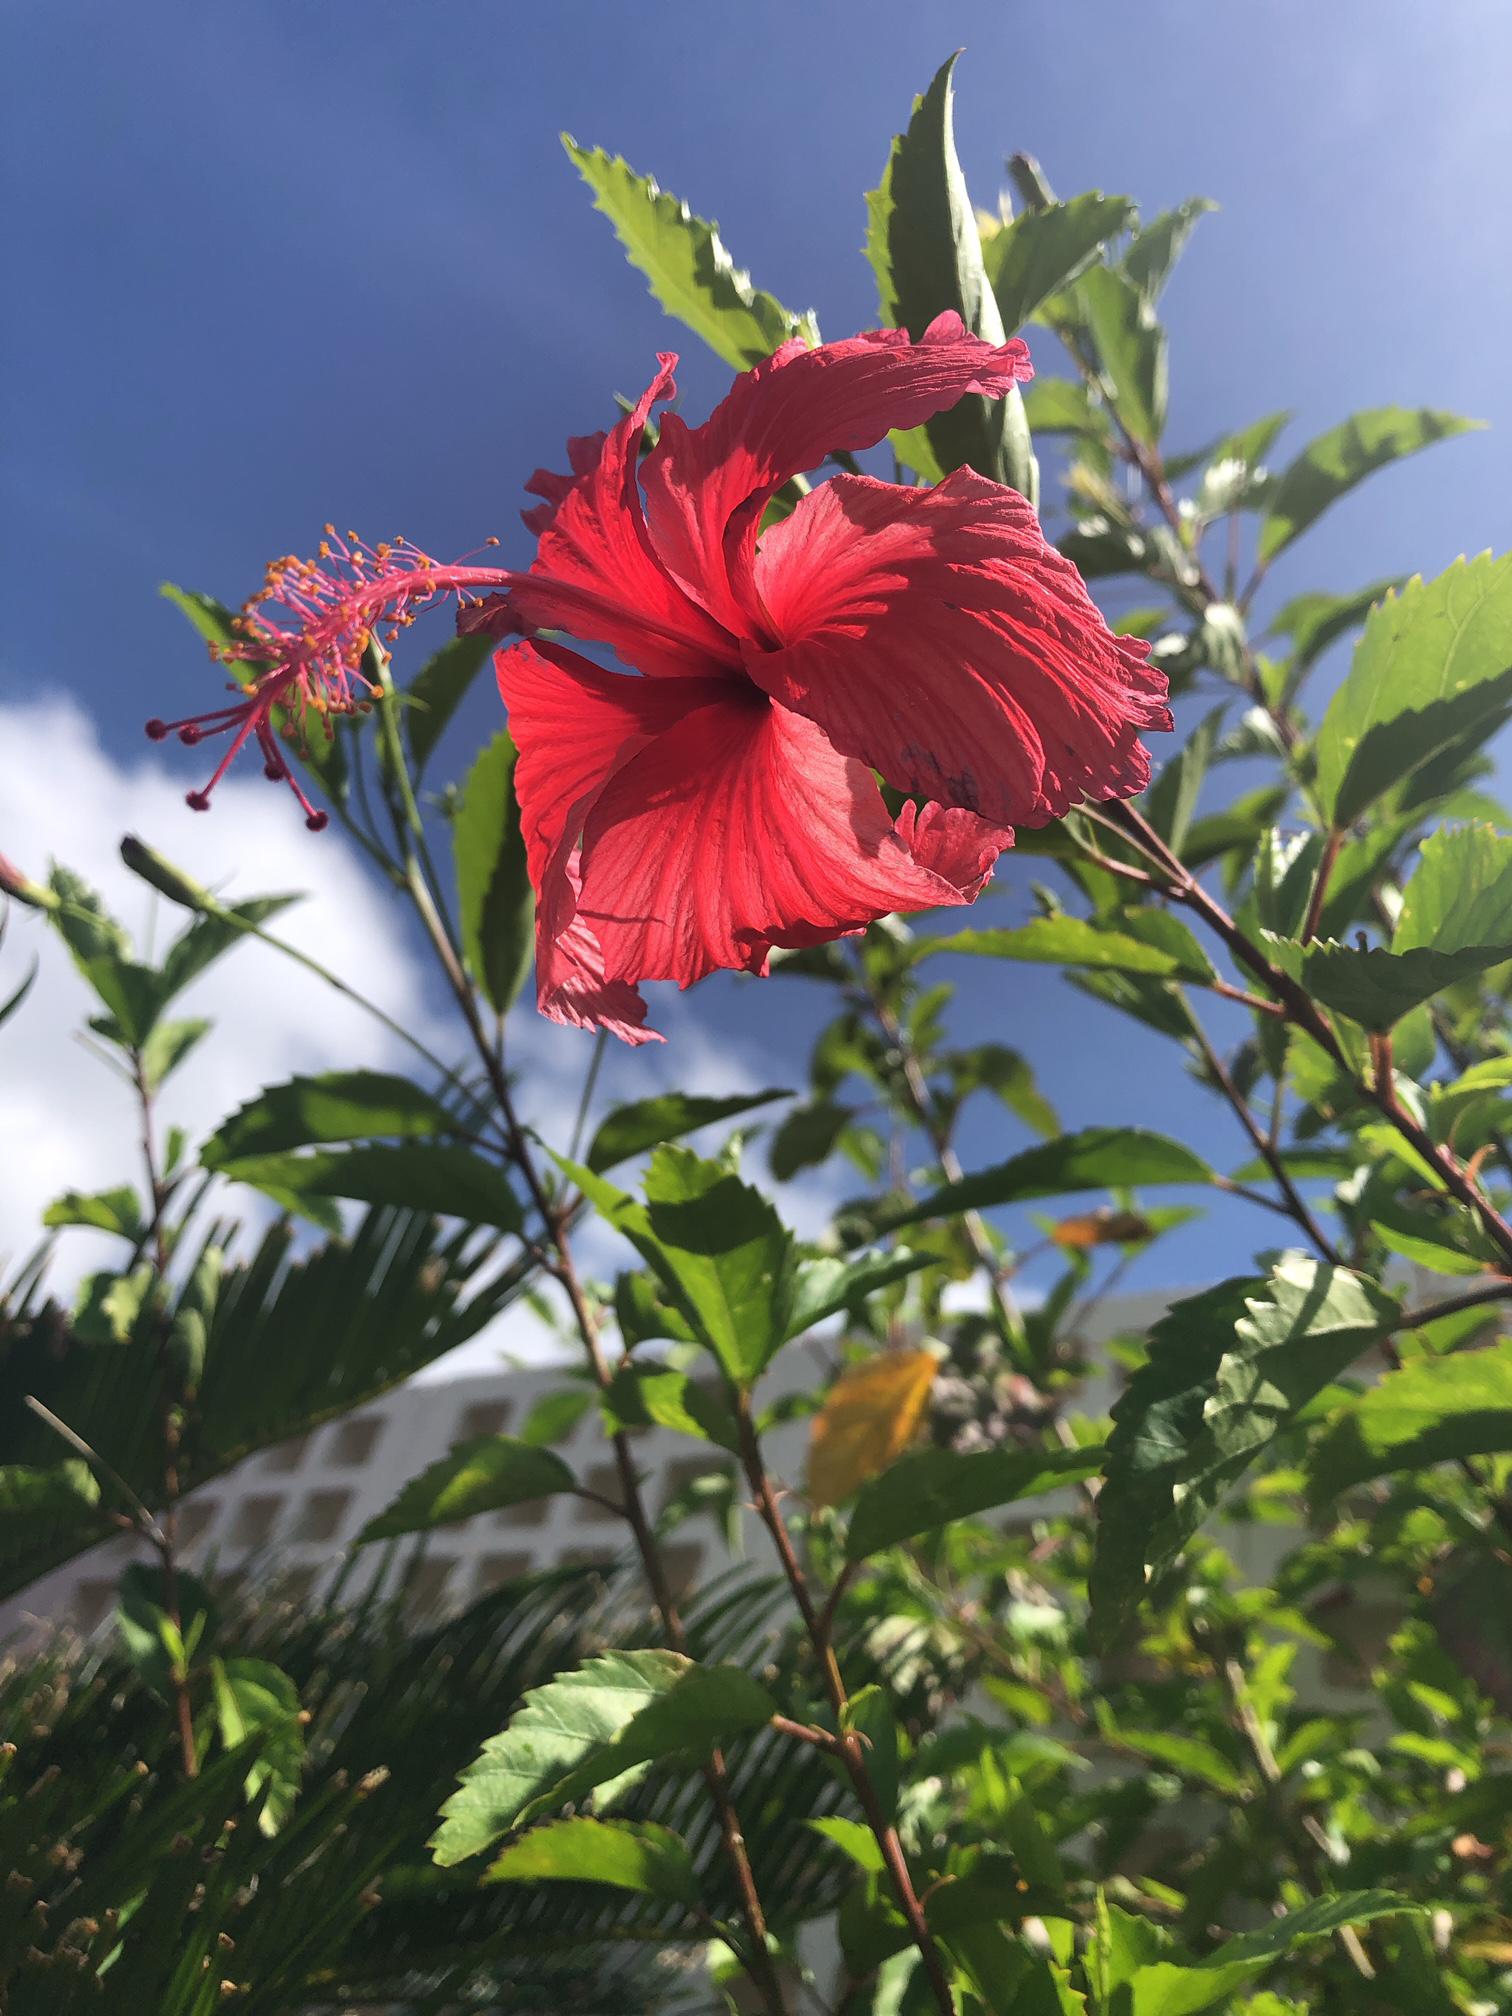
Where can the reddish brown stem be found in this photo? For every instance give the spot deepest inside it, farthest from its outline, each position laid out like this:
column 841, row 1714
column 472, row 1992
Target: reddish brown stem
column 1305, row 1015
column 1295, row 1203
column 850, row 1749
column 1319, row 896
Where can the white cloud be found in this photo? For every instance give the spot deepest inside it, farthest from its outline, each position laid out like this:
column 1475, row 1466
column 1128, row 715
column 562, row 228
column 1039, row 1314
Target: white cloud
column 67, row 1122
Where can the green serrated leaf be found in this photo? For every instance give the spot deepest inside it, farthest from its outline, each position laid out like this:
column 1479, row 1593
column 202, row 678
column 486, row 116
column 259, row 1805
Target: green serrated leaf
column 1042, row 251
column 807, row 1136
column 1166, row 1989
column 108, row 1307
column 926, row 251
column 494, row 896
column 118, row 1210
column 692, row 275
column 992, row 1067
column 1131, row 348
column 155, row 1647
column 1153, row 251
column 643, row 1396
column 1227, row 1371
column 1433, row 1410
column 1098, row 1158
column 1377, row 988
column 485, row 1474
column 253, row 1697
column 166, row 1047
column 1172, row 799
column 209, row 937
column 627, row 1854
column 1330, row 466
column 629, row 1130
column 1314, row 621
column 824, row 1287
column 1062, row 406
column 102, row 953
column 555, row 1415
column 1455, row 923
column 717, row 1247
column 596, row 1729
column 442, row 1177
column 336, row 1106
column 1141, row 941
column 1434, row 663
column 67, row 1491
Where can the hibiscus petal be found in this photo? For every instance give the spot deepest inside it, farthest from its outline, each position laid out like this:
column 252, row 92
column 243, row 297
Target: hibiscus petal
column 574, row 726
column 739, row 828
column 937, row 636
column 571, row 988
column 594, row 572
column 583, row 454
column 706, row 487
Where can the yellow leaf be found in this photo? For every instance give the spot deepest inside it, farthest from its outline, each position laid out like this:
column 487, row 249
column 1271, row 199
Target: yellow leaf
column 867, row 1422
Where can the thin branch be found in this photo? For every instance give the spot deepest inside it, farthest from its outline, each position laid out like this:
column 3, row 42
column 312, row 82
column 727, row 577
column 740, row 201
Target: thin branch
column 1296, row 1204
column 556, row 1216
column 1304, row 1013
column 850, row 1749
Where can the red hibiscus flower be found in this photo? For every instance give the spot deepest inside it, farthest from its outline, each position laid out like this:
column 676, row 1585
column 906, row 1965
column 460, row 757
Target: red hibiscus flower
column 724, row 802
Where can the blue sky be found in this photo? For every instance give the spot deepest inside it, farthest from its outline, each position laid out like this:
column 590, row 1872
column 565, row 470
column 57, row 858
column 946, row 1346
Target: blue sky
column 273, row 263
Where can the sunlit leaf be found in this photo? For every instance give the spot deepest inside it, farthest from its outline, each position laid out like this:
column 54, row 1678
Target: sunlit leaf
column 595, row 1729
column 422, row 1176
column 1098, row 1158
column 486, row 1474
column 1433, row 665
column 1166, row 1989
column 1131, row 348
column 1040, row 251
column 644, row 1396
column 629, row 1854
column 1330, row 466
column 1141, row 941
column 825, row 1286
column 1432, row 1410
column 691, row 274
column 667, row 1116
column 926, row 251
column 253, row 1697
column 1154, row 250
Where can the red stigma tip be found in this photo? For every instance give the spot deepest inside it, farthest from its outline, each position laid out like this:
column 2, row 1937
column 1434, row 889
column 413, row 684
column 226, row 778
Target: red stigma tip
column 156, row 730
column 197, row 801
column 317, row 822
column 189, row 735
